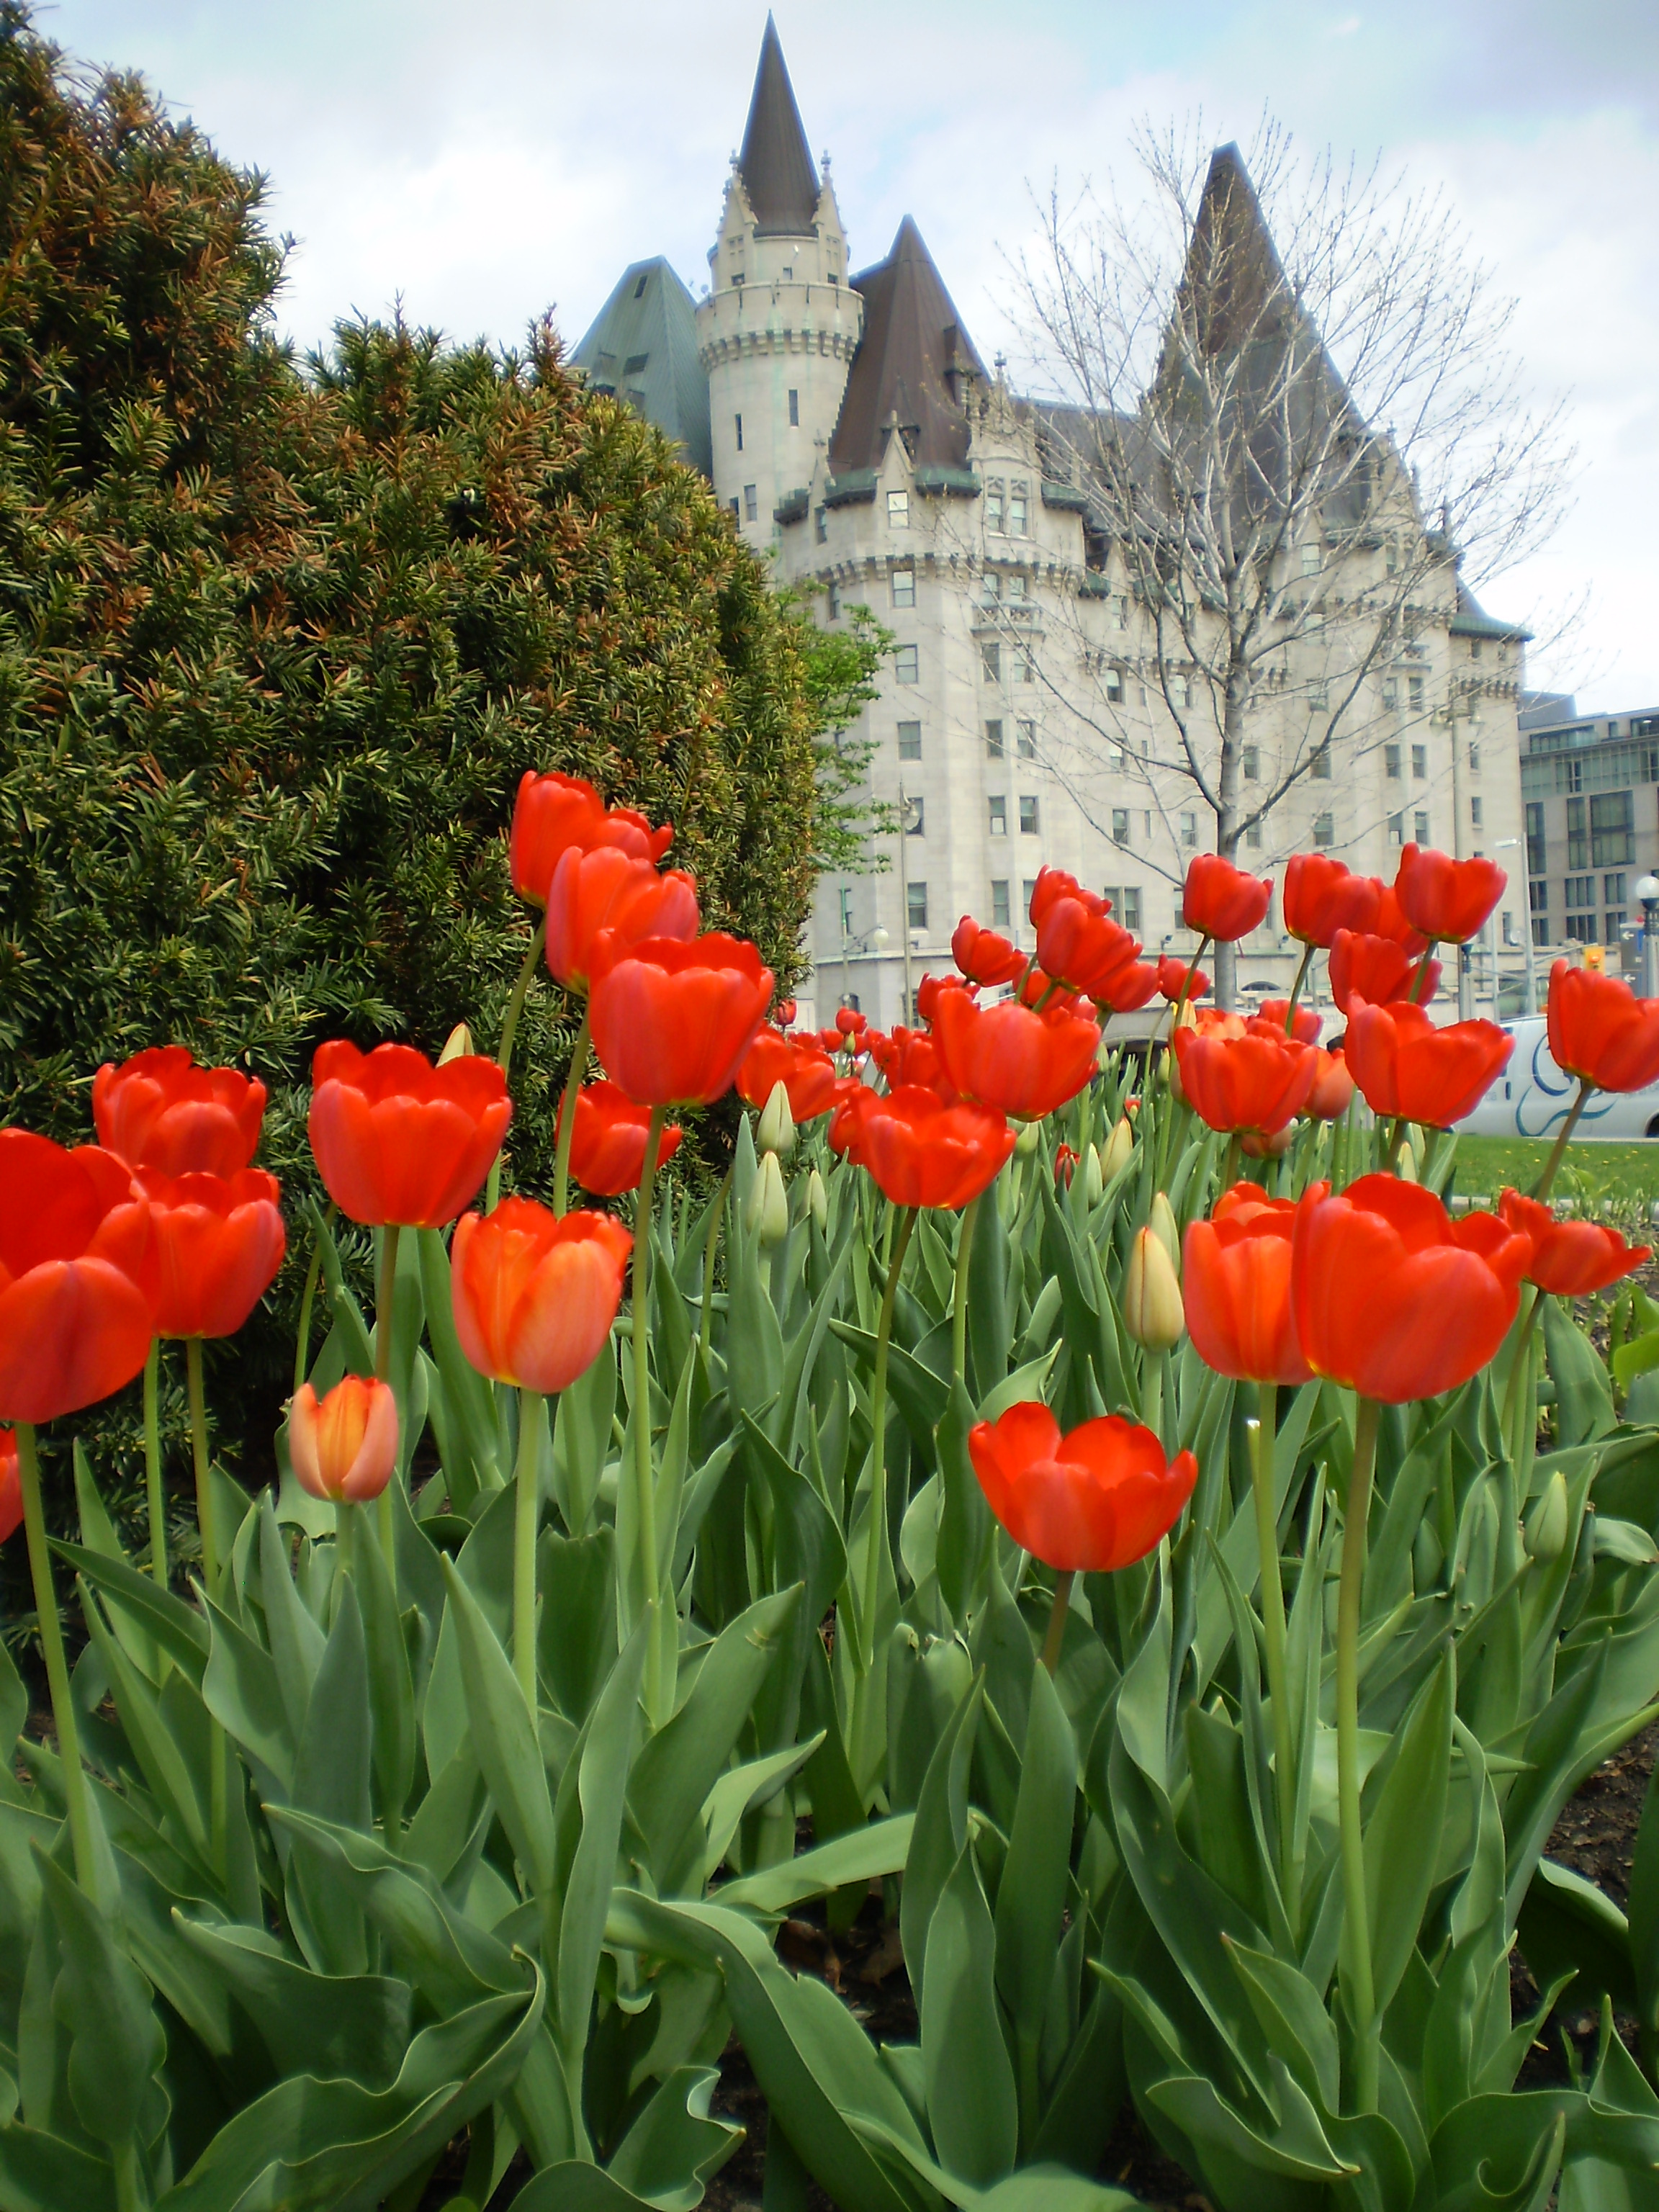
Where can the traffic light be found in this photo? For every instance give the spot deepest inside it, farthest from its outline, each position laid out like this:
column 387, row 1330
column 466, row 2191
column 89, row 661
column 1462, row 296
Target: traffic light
column 1595, row 958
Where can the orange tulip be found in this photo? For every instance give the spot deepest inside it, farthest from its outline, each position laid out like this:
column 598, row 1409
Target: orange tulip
column 1407, row 1066
column 607, row 1146
column 1600, row 1031
column 1445, row 898
column 1394, row 1299
column 534, row 1295
column 160, row 1110
column 396, row 1139
column 219, row 1241
column 1235, row 1280
column 603, row 902
column 1571, row 1259
column 920, row 1151
column 1255, row 1082
column 1220, row 901
column 1321, row 897
column 1090, row 1502
column 672, row 1021
column 1012, row 1058
column 343, row 1446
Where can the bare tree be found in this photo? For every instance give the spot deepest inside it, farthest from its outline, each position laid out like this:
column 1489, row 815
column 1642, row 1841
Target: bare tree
column 1284, row 390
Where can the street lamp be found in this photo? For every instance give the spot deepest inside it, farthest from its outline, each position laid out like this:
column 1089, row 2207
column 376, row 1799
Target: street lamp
column 1531, row 1007
column 872, row 940
column 1647, row 890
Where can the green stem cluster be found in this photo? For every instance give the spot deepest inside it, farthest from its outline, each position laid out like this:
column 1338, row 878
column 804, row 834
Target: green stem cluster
column 51, row 1647
column 572, row 1083
column 1542, row 1188
column 1356, row 1916
column 1273, row 1628
column 644, row 1480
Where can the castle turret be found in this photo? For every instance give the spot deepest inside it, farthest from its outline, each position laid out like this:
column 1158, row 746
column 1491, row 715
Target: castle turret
column 781, row 324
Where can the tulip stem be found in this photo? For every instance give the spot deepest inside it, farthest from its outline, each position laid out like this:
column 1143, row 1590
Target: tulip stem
column 1520, row 1372
column 1419, row 981
column 307, row 1296
column 524, row 1513
column 959, row 1293
column 385, row 1290
column 198, row 1442
column 1229, row 1162
column 645, row 1489
column 573, row 1084
column 906, row 1222
column 1542, row 1188
column 1296, row 990
column 1186, row 987
column 1272, row 1626
column 1057, row 1613
column 129, row 2193
column 516, row 1004
column 1357, row 1929
column 345, row 1533
column 52, row 1646
column 155, row 1489
column 710, row 1248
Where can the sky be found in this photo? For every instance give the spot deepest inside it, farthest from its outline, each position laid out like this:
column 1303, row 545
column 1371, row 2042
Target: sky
column 481, row 164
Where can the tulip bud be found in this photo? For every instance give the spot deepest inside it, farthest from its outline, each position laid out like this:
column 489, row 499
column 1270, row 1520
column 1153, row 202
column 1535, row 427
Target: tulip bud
column 1094, row 1183
column 1256, row 1146
column 818, row 1199
column 1119, row 1146
column 1405, row 1162
column 1152, row 1311
column 1162, row 1222
column 776, row 1132
column 345, row 1445
column 1026, row 1142
column 458, row 1045
column 1547, row 1523
column 766, row 1214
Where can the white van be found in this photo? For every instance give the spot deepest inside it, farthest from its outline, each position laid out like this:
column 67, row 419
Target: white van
column 1532, row 1097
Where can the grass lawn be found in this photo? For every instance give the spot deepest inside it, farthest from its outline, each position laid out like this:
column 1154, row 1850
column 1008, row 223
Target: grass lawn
column 1623, row 1175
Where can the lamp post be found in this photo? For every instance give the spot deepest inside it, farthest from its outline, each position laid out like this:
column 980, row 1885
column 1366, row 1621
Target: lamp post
column 872, row 940
column 1531, row 1007
column 1647, row 890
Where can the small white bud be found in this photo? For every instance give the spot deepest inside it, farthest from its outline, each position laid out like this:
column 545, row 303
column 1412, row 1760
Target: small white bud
column 818, row 1199
column 1547, row 1523
column 1094, row 1183
column 1119, row 1146
column 1026, row 1142
column 766, row 1214
column 458, row 1045
column 1152, row 1311
column 1162, row 1222
column 776, row 1132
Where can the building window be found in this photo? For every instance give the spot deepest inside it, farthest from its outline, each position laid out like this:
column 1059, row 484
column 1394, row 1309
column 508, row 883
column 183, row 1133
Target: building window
column 1391, row 695
column 1120, row 613
column 1180, row 690
column 1414, row 694
column 990, row 660
column 1612, row 820
column 822, row 526
column 993, row 503
column 1252, row 757
column 904, row 587
column 847, row 909
column 1120, row 825
column 993, row 740
column 1391, row 761
column 1322, row 762
column 999, row 902
column 1421, row 831
column 991, row 587
column 898, row 510
column 1541, row 931
column 1538, row 897
column 750, row 504
column 1129, row 913
column 1318, row 696
column 909, row 736
column 1028, row 815
column 1474, row 758
column 916, row 815
column 1324, row 830
column 1026, row 743
column 734, row 506
column 1189, row 829
column 1577, row 835
column 1474, row 813
column 998, row 806
column 794, row 410
column 915, row 902
column 1253, row 835
column 639, row 289
column 1579, row 891
column 1016, row 584
column 1535, row 837
column 739, row 433
column 1420, row 762
column 1612, row 890
column 833, row 595
column 1510, row 937
column 1017, row 494
column 1396, row 828
column 1311, row 561
column 1024, row 664
column 904, row 665
column 1581, row 928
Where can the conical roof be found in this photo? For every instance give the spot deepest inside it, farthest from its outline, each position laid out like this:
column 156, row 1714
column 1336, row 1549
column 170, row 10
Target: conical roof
column 776, row 161
column 642, row 345
column 911, row 362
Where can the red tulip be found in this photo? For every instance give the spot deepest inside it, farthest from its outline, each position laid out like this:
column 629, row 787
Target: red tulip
column 1088, row 1503
column 1129, row 988
column 1011, row 1058
column 604, row 902
column 607, row 1146
column 912, row 1056
column 1220, row 901
column 396, row 1139
column 983, row 956
column 1405, row 1065
column 1332, row 1087
column 921, row 1151
column 1273, row 1013
column 1054, row 883
column 344, row 1446
column 1391, row 922
column 217, row 1242
column 535, row 1295
column 672, row 1021
column 784, row 1013
column 553, row 812
column 1322, row 897
column 1065, row 1167
column 160, row 1110
column 1378, row 969
column 1235, row 1282
column 11, row 1485
column 1172, row 975
column 1571, row 1258
column 74, row 1322
column 849, row 1020
column 1394, row 1299
column 808, row 1074
column 1600, row 1031
column 1445, row 898
column 1086, row 950
column 1258, row 1082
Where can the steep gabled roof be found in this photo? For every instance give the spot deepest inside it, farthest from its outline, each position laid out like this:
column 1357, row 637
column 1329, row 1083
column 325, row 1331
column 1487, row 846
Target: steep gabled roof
column 776, row 161
column 642, row 345
column 911, row 361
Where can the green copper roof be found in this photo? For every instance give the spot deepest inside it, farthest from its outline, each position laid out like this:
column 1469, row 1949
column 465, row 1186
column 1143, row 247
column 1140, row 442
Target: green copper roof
column 643, row 347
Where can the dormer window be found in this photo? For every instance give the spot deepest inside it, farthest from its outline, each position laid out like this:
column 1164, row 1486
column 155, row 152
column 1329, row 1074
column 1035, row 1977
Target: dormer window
column 898, row 510
column 993, row 492
column 1016, row 504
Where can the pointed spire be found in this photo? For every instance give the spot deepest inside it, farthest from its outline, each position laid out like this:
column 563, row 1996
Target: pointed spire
column 908, row 370
column 776, row 161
